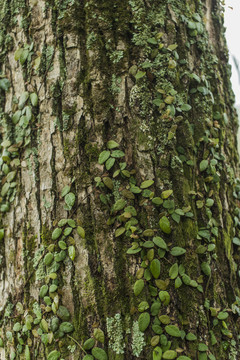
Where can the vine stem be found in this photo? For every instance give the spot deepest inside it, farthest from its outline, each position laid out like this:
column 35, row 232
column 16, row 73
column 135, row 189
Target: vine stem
column 77, row 343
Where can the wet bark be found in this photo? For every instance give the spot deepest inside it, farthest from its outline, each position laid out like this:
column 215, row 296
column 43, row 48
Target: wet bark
column 119, row 182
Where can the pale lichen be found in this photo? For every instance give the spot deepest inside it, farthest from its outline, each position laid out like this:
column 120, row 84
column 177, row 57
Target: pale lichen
column 115, row 334
column 138, row 341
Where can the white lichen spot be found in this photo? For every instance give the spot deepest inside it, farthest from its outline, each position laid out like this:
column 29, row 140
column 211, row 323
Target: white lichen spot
column 115, row 334
column 138, row 341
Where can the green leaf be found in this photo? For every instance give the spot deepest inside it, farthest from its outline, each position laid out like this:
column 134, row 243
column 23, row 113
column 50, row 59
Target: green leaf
column 206, row 269
column 66, row 327
column 236, row 241
column 148, row 233
column 24, row 122
column 182, row 357
column 185, row 107
column 157, row 201
column 56, row 233
column 104, row 155
column 111, row 144
column 4, row 84
column 138, row 287
column 193, row 283
column 43, row 291
column 160, row 242
column 89, row 344
column 60, row 256
column 131, row 210
column 143, row 306
column 119, row 231
column 23, row 99
column 108, row 182
column 169, row 354
column 140, row 74
column 173, row 272
column 173, row 330
column 67, row 231
column 119, row 205
column 54, row 355
column 155, row 308
column 62, row 222
column 201, row 249
column 70, row 200
column 164, row 297
column 81, row 232
column 165, row 319
column 117, row 154
column 186, row 279
column 5, row 189
column 71, row 252
column 10, row 176
column 34, row 99
column 54, row 323
column 109, row 163
column 191, row 337
column 176, row 217
column 88, row 357
column 65, row 190
column 1, row 234
column 18, row 54
column 211, row 247
column 53, row 288
column 152, row 41
column 157, row 102
column 143, row 321
column 126, row 173
column 148, row 244
column 147, row 65
column 147, row 183
column 99, row 354
column 165, row 194
column 155, row 268
column 99, row 335
column 17, row 327
column 135, row 189
column 44, row 325
column 203, row 165
column 222, row 315
column 48, row 258
column 27, row 353
column 157, row 353
column 202, row 347
column 133, row 250
column 178, row 282
column 71, row 223
column 172, row 47
column 177, row 251
column 16, row 116
column 23, row 56
column 205, row 234
column 157, row 329
column 164, row 224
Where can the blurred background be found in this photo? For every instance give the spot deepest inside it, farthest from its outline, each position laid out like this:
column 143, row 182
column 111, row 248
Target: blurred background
column 232, row 24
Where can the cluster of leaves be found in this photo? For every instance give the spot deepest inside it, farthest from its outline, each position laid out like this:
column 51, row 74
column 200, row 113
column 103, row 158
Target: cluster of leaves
column 47, row 319
column 151, row 245
column 10, row 150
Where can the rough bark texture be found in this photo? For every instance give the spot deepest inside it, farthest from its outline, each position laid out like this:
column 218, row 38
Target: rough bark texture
column 118, row 117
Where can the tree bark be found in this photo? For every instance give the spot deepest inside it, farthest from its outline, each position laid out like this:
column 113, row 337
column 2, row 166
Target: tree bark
column 119, row 182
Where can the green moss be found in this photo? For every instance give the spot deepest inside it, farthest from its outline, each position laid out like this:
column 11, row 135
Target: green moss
column 46, row 236
column 92, row 152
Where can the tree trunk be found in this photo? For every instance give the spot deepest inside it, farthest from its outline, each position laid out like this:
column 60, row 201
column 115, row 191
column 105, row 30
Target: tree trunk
column 120, row 198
